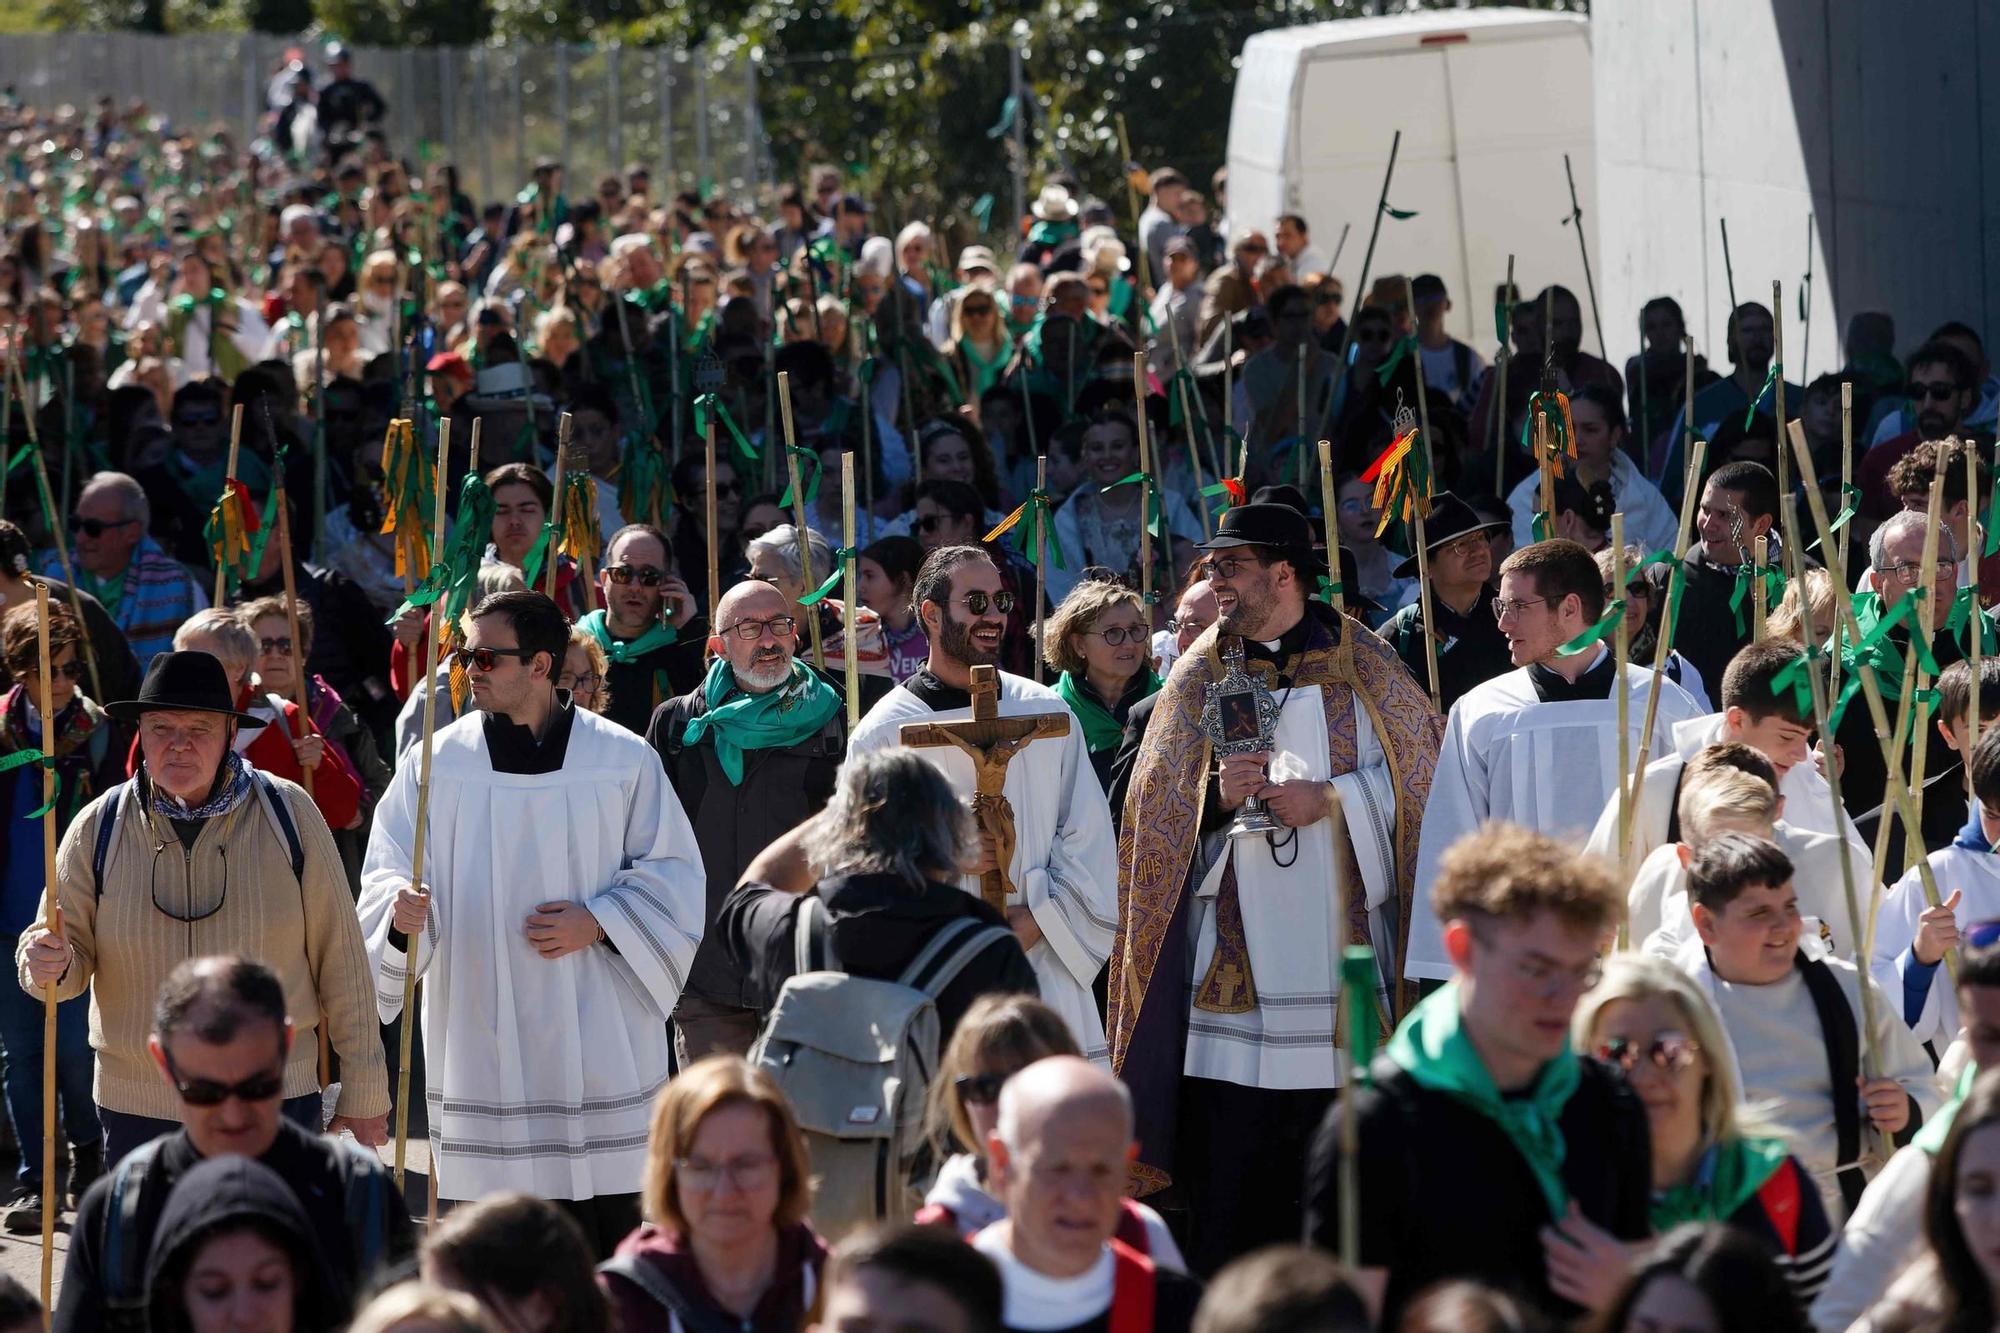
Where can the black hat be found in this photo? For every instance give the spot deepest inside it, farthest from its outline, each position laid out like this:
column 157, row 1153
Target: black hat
column 1450, row 518
column 1275, row 525
column 183, row 681
column 1350, row 586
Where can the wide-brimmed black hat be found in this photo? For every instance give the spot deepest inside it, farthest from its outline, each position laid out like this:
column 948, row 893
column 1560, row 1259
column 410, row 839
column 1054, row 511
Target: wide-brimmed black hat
column 1275, row 525
column 1358, row 602
column 183, row 682
column 1450, row 518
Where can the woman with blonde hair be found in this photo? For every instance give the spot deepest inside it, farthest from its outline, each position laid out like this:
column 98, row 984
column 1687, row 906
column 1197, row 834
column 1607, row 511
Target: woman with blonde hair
column 421, row 1307
column 1712, row 1161
column 1098, row 639
column 728, row 1188
column 980, row 346
column 1000, row 1036
column 583, row 672
column 1783, row 622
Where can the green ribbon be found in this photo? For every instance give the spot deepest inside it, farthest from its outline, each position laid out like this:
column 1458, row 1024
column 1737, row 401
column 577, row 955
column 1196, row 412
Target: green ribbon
column 1404, row 347
column 1772, row 376
column 1033, row 515
column 1156, row 522
column 1663, row 556
column 1851, row 505
column 1595, row 634
column 1358, row 975
column 1542, row 527
column 1400, row 214
column 1328, row 589
column 22, row 758
column 999, row 128
column 1796, row 678
column 843, row 556
column 1774, row 590
column 708, row 402
column 982, row 211
column 807, row 459
column 1992, row 523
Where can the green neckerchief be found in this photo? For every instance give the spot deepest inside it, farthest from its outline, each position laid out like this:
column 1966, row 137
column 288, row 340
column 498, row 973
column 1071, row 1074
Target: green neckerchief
column 1101, row 731
column 1931, row 1137
column 621, row 651
column 739, row 722
column 108, row 592
column 1052, row 234
column 984, row 373
column 1727, row 1175
column 1432, row 1048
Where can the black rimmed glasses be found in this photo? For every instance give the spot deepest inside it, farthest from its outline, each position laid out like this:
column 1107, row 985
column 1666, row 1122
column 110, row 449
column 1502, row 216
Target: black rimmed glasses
column 276, row 647
column 979, row 1089
column 1228, row 567
column 1117, row 636
column 780, row 627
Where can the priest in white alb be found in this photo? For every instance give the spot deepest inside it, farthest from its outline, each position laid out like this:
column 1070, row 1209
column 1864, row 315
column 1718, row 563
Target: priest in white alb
column 559, row 909
column 1062, row 868
column 1537, row 747
column 1226, row 982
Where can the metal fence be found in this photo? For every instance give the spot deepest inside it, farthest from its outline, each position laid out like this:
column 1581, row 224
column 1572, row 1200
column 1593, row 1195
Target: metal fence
column 491, row 110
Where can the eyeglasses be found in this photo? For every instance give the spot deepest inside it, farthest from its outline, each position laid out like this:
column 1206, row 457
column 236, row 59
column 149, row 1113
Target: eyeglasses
column 1178, row 623
column 1909, row 571
column 1936, row 391
column 979, row 1089
column 647, row 576
column 1670, row 1051
column 1228, row 568
column 71, row 670
column 977, row 602
column 781, row 627
column 208, row 1092
column 586, row 683
column 1470, row 544
column 97, row 527
column 745, row 1173
column 1119, row 635
column 276, row 647
column 972, row 310
column 1506, row 606
column 487, row 658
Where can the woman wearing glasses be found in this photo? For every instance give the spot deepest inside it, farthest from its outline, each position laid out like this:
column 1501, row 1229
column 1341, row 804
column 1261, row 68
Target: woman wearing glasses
column 1097, row 639
column 728, row 1185
column 1712, row 1161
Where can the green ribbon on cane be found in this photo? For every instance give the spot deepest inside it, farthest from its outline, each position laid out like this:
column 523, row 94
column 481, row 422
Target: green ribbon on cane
column 1605, row 624
column 1850, row 505
column 1542, row 527
column 843, row 556
column 1771, row 377
column 1797, row 679
column 1774, row 589
column 707, row 403
column 1035, row 510
column 21, row 759
column 1156, row 522
column 807, row 459
column 1358, row 975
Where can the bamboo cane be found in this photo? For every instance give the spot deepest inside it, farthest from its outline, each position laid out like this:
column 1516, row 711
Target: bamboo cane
column 1846, row 457
column 1132, row 194
column 802, row 532
column 1806, row 474
column 849, row 630
column 1367, row 262
column 1146, row 496
column 1546, row 463
column 50, row 1199
column 1687, row 414
column 1042, row 560
column 235, row 446
column 1927, row 619
column 74, row 598
column 553, row 556
column 1501, row 360
column 1327, row 508
column 1668, row 615
column 409, row 1015
column 1188, row 409
column 1759, row 560
column 1728, row 269
column 708, row 521
column 1417, row 513
column 1583, row 249
column 1971, row 550
column 1805, row 307
column 1645, row 408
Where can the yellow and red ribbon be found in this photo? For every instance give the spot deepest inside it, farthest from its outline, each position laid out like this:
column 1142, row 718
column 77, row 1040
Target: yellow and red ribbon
column 1402, row 478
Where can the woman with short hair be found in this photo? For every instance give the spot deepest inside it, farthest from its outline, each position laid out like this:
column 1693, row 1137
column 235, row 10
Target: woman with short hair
column 523, row 1259
column 1098, row 639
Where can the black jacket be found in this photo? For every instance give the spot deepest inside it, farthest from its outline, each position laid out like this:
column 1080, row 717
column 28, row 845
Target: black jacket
column 1471, row 650
column 322, row 1172
column 224, row 1190
column 732, row 823
column 650, row 681
column 876, row 926
column 351, row 643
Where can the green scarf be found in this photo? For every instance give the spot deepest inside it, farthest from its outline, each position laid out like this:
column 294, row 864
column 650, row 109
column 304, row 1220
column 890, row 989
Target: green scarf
column 1101, row 731
column 1432, row 1048
column 622, row 651
column 1727, row 1175
column 785, row 716
column 109, row 592
column 1052, row 234
column 1931, row 1137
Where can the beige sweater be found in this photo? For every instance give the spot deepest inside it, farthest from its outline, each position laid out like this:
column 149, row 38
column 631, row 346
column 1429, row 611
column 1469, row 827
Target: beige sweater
column 239, row 871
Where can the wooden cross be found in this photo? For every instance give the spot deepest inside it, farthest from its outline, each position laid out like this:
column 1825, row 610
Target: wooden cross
column 990, row 742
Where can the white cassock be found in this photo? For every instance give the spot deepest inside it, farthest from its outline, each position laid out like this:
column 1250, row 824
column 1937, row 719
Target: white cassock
column 541, row 1072
column 1975, row 875
column 1065, row 863
column 1808, row 802
column 1546, row 767
column 1291, row 928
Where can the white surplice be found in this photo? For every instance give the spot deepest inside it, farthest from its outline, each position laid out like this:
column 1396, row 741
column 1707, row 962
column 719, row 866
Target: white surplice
column 1065, row 863
column 541, row 1072
column 1546, row 767
column 1289, row 897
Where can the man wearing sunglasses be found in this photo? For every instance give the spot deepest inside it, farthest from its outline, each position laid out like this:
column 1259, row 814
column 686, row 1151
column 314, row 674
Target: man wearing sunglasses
column 1062, row 869
column 1942, row 385
column 553, row 921
column 644, row 626
column 147, row 591
column 221, row 1038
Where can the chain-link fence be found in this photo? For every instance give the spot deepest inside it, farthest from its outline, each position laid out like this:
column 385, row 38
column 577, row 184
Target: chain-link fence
column 492, row 110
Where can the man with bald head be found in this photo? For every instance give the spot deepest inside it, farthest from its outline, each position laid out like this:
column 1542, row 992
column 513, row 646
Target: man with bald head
column 646, row 627
column 752, row 751
column 1058, row 1158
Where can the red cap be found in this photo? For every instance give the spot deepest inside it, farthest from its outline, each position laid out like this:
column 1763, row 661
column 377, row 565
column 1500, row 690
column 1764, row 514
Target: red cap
column 450, row 363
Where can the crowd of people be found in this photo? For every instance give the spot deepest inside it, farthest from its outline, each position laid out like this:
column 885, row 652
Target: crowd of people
column 1158, row 896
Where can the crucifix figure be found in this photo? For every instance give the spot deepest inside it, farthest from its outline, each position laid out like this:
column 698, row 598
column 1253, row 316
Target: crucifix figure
column 990, row 742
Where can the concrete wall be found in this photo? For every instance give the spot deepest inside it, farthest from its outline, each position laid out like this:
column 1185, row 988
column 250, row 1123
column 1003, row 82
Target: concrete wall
column 1872, row 115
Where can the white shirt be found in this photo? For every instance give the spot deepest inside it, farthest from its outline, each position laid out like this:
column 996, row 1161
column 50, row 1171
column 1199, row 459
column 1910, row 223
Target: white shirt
column 1037, row 1303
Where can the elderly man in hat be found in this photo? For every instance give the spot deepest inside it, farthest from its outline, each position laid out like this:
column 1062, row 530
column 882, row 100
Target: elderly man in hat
column 1226, row 966
column 1470, row 647
column 201, row 854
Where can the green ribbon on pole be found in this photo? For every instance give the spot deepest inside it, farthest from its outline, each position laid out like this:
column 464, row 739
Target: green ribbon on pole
column 1542, row 527
column 1400, row 214
column 426, row 593
column 1774, row 590
column 1663, row 556
column 1595, row 634
column 1358, row 979
column 1850, row 506
column 807, row 459
column 1796, row 679
column 1405, row 346
column 1156, row 522
column 1000, row 128
column 1772, row 376
column 843, row 556
column 1033, row 513
column 1329, row 587
column 707, row 403
column 21, row 759
column 1992, row 543
column 538, row 554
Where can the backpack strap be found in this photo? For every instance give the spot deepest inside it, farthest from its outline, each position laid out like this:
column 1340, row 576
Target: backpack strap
column 107, row 828
column 809, row 951
column 1842, row 1038
column 123, row 1267
column 280, row 812
column 947, row 971
column 1132, row 1290
column 946, row 936
column 655, row 1284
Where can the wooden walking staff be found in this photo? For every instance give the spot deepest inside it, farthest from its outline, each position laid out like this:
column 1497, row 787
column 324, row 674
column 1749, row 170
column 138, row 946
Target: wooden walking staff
column 802, row 532
column 1042, row 560
column 56, row 533
column 1621, row 652
column 235, row 448
column 1972, row 549
column 49, row 1129
column 1759, row 560
column 708, row 517
column 1327, row 507
column 1501, row 359
column 849, row 630
column 1417, row 509
column 1583, row 249
column 1861, row 934
column 1920, row 749
column 1807, row 474
column 1894, row 790
column 409, row 1017
column 552, row 554
column 1147, row 495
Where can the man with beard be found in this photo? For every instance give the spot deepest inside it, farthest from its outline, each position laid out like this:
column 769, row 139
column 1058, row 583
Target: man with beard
column 1739, row 504
column 1061, row 871
column 1748, row 388
column 1538, row 746
column 752, row 751
column 1943, row 388
column 647, row 609
column 1223, row 982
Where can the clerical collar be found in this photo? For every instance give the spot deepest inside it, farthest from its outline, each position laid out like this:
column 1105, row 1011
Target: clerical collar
column 935, row 694
column 514, row 749
column 1552, row 688
column 1286, row 645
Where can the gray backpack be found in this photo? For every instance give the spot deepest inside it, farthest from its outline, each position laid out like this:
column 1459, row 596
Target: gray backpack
column 855, row 1057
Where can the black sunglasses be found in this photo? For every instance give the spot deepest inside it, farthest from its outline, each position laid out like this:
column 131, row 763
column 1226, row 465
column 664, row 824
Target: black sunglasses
column 488, row 658
column 208, row 1092
column 647, row 576
column 97, row 527
column 276, row 647
column 1936, row 391
column 979, row 1089
column 976, row 602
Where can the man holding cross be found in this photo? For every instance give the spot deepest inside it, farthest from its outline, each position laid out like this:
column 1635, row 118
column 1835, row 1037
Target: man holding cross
column 1225, row 979
column 1047, row 855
